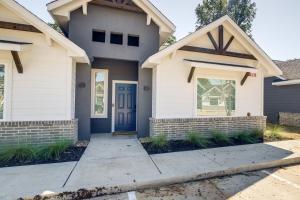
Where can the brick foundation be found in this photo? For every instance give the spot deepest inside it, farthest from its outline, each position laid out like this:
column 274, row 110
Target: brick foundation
column 37, row 132
column 289, row 119
column 178, row 128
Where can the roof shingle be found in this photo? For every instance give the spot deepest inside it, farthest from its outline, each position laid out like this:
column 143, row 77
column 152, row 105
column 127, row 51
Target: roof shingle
column 290, row 68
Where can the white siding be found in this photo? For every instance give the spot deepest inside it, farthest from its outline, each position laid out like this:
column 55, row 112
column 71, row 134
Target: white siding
column 176, row 98
column 45, row 91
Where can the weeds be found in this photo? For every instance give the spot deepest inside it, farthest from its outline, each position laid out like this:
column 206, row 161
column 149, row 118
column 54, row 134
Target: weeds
column 274, row 132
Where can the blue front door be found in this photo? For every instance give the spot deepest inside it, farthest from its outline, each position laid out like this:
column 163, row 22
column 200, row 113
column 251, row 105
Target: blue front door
column 125, row 107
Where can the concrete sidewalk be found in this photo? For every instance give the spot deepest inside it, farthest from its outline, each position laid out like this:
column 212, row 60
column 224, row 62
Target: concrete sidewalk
column 121, row 164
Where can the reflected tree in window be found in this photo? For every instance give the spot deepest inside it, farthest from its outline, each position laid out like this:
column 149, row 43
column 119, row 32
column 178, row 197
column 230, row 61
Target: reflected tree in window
column 99, row 93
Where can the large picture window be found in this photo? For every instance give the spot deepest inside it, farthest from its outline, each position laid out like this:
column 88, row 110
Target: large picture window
column 2, row 78
column 215, row 97
column 99, row 93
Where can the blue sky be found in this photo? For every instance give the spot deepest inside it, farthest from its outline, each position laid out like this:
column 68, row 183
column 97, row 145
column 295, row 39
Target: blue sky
column 276, row 28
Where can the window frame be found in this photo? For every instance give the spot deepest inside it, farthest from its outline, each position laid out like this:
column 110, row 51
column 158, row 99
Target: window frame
column 93, row 95
column 99, row 31
column 217, row 78
column 136, row 36
column 7, row 89
column 116, row 33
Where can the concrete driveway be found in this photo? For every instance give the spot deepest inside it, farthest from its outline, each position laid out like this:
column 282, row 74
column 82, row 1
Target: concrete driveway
column 275, row 184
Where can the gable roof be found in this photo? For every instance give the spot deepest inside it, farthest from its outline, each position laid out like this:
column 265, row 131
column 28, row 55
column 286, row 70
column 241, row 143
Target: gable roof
column 290, row 69
column 240, row 35
column 166, row 26
column 73, row 50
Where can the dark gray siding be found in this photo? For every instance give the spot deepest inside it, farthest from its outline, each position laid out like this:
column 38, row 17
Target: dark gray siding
column 82, row 100
column 113, row 20
column 117, row 70
column 120, row 21
column 280, row 99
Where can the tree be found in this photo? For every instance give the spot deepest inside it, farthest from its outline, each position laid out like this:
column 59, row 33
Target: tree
column 209, row 11
column 242, row 12
column 171, row 40
column 55, row 26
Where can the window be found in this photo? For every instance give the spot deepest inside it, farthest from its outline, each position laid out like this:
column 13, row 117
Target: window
column 215, row 97
column 116, row 38
column 99, row 36
column 99, row 93
column 133, row 41
column 2, row 78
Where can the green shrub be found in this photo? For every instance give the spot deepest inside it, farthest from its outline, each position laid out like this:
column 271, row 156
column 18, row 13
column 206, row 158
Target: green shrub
column 274, row 132
column 159, row 141
column 54, row 151
column 247, row 137
column 18, row 154
column 197, row 140
column 221, row 139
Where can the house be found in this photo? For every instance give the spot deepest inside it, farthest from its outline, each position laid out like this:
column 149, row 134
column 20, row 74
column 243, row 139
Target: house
column 37, row 79
column 108, row 73
column 282, row 94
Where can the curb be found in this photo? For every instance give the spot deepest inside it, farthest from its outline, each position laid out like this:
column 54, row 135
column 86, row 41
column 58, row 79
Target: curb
column 162, row 181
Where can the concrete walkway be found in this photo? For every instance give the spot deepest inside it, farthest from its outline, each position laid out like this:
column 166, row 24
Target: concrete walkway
column 121, row 164
column 110, row 161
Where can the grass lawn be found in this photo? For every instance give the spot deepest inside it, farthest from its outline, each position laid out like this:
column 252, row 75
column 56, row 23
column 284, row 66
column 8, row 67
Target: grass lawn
column 277, row 133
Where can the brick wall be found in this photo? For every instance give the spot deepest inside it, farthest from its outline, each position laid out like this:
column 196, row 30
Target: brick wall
column 178, row 128
column 37, row 132
column 289, row 119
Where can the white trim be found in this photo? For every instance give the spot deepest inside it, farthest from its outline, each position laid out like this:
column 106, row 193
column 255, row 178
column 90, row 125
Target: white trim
column 105, row 110
column 220, row 67
column 143, row 4
column 14, row 47
column 32, row 19
column 239, row 34
column 290, row 82
column 216, row 78
column 7, row 89
column 114, row 82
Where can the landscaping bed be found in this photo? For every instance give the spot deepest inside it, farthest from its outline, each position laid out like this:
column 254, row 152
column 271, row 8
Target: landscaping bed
column 28, row 155
column 194, row 141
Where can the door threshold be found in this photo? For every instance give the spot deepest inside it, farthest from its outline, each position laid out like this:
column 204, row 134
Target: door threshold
column 124, row 133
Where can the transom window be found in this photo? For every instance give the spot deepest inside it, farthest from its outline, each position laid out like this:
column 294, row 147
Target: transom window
column 99, row 93
column 2, row 78
column 133, row 40
column 116, row 38
column 215, row 97
column 98, row 36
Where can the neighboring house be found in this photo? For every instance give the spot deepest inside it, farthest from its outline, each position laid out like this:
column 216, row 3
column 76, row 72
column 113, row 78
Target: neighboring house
column 210, row 80
column 282, row 94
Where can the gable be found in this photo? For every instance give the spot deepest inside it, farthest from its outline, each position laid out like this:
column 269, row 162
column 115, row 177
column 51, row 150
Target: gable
column 8, row 16
column 61, row 9
column 35, row 24
column 222, row 42
column 204, row 42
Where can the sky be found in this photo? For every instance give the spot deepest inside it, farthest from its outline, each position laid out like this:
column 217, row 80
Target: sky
column 276, row 28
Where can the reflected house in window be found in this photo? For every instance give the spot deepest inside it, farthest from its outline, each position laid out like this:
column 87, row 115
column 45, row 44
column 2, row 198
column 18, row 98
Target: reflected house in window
column 215, row 97
column 1, row 90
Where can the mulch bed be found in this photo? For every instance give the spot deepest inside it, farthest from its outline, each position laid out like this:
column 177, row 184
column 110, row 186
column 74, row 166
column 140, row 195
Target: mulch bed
column 71, row 154
column 181, row 145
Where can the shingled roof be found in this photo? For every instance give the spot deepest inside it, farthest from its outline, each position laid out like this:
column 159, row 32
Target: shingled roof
column 290, row 69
